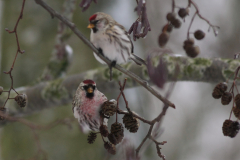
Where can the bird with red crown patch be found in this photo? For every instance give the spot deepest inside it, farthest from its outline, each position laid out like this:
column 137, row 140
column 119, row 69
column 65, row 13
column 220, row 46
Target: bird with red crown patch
column 86, row 105
column 111, row 39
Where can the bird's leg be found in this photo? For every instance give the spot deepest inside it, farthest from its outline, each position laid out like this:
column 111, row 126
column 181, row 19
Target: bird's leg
column 100, row 51
column 113, row 63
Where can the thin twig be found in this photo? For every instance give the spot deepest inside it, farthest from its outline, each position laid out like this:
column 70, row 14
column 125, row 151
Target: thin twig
column 173, row 5
column 191, row 24
column 18, row 51
column 151, row 123
column 190, row 2
column 89, row 44
column 158, row 119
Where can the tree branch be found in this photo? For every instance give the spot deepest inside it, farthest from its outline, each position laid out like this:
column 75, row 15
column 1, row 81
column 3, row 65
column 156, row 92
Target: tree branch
column 62, row 53
column 88, row 43
column 60, row 92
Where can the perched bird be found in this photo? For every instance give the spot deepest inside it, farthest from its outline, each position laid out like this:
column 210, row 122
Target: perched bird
column 86, row 106
column 111, row 39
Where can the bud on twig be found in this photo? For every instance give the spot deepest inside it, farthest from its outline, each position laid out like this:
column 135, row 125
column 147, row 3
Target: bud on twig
column 21, row 100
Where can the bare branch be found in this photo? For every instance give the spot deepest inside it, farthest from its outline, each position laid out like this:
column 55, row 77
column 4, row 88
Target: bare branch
column 18, row 51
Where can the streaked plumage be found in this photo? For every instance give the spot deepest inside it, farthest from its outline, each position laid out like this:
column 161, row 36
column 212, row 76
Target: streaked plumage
column 111, row 39
column 86, row 105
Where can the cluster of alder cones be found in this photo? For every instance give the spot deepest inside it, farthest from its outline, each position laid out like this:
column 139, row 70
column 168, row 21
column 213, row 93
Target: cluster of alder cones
column 230, row 128
column 21, row 100
column 116, row 133
column 173, row 22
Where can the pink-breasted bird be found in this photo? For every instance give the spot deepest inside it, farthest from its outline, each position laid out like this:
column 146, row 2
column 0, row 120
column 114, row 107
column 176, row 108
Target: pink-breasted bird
column 111, row 39
column 86, row 106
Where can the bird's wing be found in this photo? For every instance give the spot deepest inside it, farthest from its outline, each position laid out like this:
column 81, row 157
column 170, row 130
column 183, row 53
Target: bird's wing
column 117, row 34
column 73, row 103
column 103, row 97
column 127, row 37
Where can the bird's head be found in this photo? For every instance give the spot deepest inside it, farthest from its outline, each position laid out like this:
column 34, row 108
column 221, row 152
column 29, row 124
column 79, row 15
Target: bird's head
column 100, row 21
column 89, row 86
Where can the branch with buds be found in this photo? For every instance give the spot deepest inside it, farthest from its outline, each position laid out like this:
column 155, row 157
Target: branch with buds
column 151, row 123
column 88, row 43
column 230, row 128
column 141, row 26
column 173, row 22
column 62, row 53
column 130, row 121
column 20, row 98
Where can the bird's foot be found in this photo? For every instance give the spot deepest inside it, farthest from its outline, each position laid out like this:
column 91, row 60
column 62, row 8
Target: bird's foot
column 113, row 64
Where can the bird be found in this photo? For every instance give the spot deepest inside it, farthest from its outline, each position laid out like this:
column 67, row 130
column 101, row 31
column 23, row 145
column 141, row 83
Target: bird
column 112, row 40
column 86, row 106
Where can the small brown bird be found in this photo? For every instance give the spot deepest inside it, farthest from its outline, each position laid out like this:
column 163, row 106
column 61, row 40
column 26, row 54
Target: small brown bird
column 87, row 104
column 111, row 39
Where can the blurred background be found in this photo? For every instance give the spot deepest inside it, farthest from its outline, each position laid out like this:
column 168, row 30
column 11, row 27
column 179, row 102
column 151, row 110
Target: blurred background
column 192, row 131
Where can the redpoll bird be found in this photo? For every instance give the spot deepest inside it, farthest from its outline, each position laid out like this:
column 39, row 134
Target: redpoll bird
column 86, row 105
column 111, row 39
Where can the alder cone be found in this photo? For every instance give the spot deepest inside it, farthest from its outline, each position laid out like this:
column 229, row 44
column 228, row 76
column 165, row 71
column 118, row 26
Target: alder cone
column 163, row 39
column 199, row 34
column 226, row 98
column 193, row 51
column 112, row 138
column 167, row 28
column 188, row 43
column 230, row 128
column 237, row 100
column 236, row 112
column 183, row 12
column 117, row 131
column 176, row 23
column 219, row 90
column 104, row 130
column 92, row 137
column 171, row 16
column 108, row 108
column 131, row 123
column 21, row 100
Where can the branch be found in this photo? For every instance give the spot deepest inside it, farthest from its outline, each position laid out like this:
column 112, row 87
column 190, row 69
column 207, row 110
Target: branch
column 62, row 53
column 88, row 43
column 61, row 91
column 214, row 27
column 18, row 51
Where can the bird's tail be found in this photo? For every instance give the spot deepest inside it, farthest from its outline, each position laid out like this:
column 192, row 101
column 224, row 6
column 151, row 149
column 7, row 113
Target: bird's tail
column 139, row 61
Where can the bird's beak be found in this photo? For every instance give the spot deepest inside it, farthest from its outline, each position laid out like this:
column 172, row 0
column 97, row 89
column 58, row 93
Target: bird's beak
column 91, row 25
column 90, row 90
